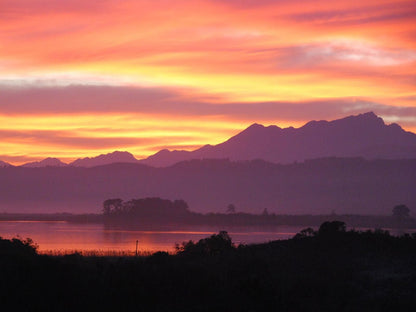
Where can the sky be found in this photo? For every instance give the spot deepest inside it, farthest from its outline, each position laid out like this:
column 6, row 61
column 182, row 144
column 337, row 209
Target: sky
column 81, row 78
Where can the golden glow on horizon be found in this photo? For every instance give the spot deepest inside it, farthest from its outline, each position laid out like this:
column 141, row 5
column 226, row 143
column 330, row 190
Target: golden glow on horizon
column 142, row 135
column 190, row 54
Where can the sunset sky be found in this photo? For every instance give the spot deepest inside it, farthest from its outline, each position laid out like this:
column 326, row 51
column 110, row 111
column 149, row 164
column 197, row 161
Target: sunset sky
column 80, row 78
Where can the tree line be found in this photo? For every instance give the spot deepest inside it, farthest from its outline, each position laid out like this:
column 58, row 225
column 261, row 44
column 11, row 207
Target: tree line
column 158, row 211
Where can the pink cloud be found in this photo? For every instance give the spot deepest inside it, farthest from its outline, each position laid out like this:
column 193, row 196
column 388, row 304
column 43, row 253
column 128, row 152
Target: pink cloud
column 175, row 103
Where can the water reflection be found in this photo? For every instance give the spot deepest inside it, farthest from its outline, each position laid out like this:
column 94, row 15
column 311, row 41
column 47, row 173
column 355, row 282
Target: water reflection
column 68, row 237
column 63, row 236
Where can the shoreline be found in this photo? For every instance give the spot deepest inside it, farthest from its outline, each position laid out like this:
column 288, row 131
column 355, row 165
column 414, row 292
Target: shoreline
column 215, row 219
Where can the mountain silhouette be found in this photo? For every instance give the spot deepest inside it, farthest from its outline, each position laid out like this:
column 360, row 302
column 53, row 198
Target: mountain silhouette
column 47, row 162
column 357, row 164
column 4, row 164
column 364, row 135
column 105, row 159
column 346, row 185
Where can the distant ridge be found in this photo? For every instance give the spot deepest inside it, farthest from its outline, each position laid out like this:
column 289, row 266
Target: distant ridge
column 47, row 162
column 105, row 159
column 365, row 135
column 4, row 164
column 346, row 185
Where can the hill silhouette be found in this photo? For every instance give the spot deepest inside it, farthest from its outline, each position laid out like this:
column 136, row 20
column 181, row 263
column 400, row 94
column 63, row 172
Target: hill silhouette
column 47, row 162
column 4, row 164
column 100, row 160
column 105, row 159
column 346, row 185
column 364, row 135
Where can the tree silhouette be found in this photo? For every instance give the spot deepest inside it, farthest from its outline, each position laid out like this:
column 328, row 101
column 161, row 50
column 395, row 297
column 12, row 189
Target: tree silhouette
column 231, row 208
column 401, row 214
column 112, row 206
column 308, row 232
column 17, row 247
column 213, row 245
column 401, row 211
column 330, row 228
column 181, row 205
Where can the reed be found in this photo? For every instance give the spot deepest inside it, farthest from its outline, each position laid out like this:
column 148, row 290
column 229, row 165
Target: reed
column 96, row 253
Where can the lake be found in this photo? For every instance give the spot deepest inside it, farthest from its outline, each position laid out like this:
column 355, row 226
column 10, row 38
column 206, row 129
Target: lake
column 64, row 237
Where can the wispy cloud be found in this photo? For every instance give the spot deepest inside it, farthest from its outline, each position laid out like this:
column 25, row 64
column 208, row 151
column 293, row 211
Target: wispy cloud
column 211, row 67
column 175, row 103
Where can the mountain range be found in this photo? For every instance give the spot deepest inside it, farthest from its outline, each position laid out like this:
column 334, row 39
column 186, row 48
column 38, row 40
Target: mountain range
column 114, row 157
column 365, row 135
column 357, row 164
column 320, row 186
column 47, row 162
column 4, row 164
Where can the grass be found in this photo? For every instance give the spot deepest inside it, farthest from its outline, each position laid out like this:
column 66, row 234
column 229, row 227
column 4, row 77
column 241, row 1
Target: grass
column 96, row 253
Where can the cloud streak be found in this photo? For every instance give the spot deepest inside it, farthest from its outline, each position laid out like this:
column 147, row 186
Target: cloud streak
column 177, row 103
column 187, row 73
column 80, row 121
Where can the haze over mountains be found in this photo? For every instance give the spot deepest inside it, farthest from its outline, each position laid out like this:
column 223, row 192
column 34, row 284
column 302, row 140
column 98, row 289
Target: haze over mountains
column 114, row 157
column 343, row 185
column 4, row 164
column 47, row 162
column 364, row 135
column 351, row 165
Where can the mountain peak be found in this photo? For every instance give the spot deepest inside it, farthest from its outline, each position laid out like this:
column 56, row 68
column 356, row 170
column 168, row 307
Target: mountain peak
column 105, row 159
column 365, row 120
column 258, row 129
column 368, row 117
column 363, row 135
column 4, row 164
column 255, row 126
column 164, row 151
column 47, row 162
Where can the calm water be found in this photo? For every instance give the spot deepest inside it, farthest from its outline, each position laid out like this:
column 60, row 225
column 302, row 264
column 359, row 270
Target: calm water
column 68, row 237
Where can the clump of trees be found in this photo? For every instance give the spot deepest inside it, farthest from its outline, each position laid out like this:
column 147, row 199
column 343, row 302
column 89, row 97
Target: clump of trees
column 231, row 208
column 145, row 210
column 153, row 205
column 17, row 247
column 401, row 211
column 213, row 245
column 327, row 229
column 401, row 215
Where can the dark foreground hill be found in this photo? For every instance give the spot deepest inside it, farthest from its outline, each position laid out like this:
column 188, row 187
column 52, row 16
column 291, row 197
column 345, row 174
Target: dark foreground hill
column 320, row 186
column 331, row 270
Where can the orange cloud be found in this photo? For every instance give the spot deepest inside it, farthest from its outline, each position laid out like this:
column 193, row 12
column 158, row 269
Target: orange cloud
column 227, row 63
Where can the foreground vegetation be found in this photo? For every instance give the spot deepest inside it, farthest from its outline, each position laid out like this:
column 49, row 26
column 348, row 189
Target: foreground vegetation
column 328, row 270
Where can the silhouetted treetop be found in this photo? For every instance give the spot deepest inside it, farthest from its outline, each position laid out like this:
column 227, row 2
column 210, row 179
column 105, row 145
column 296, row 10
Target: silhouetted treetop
column 17, row 247
column 401, row 211
column 308, row 232
column 213, row 245
column 231, row 208
column 329, row 228
column 112, row 206
column 145, row 206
